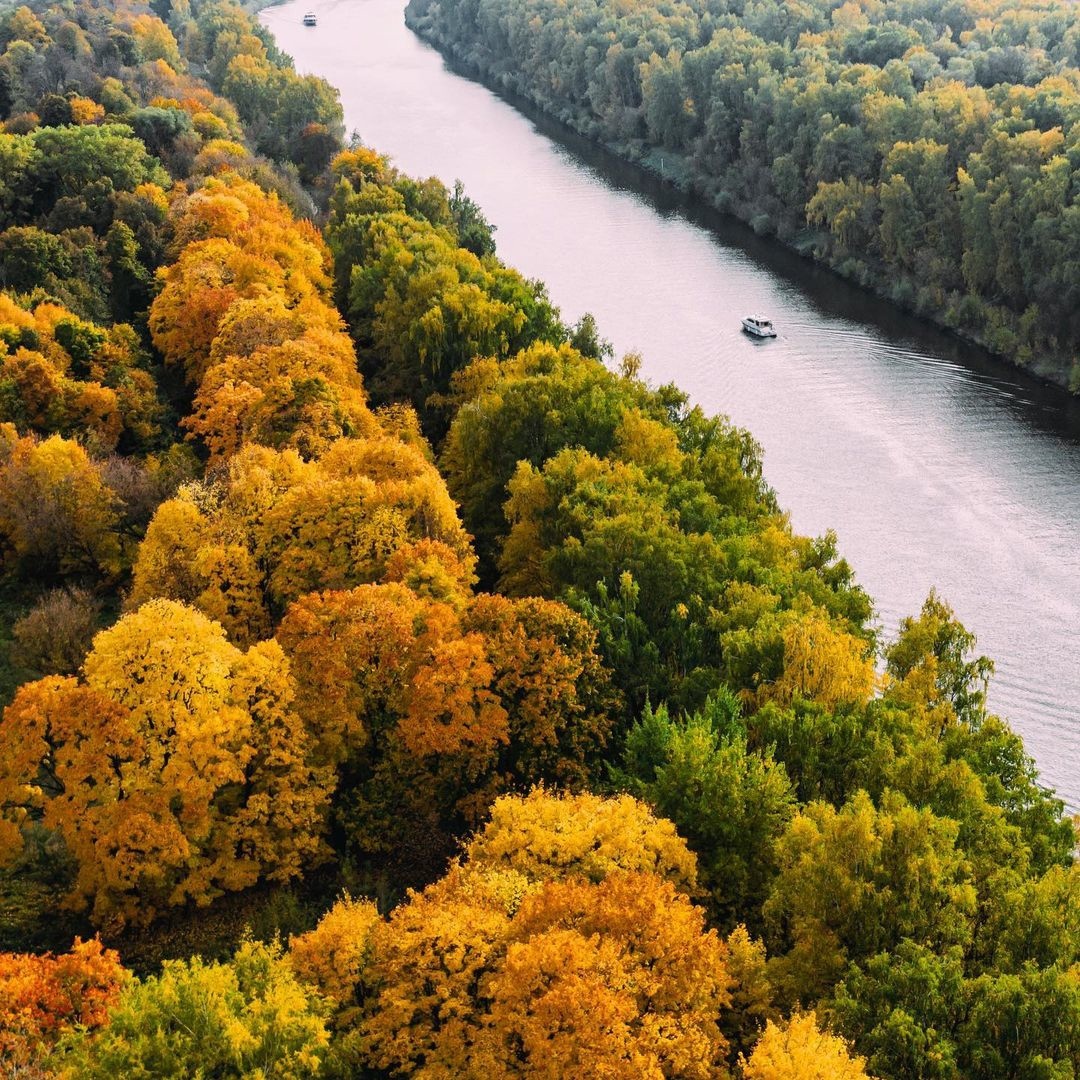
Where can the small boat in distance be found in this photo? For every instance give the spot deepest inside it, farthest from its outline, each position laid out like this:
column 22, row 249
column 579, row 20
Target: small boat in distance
column 758, row 326
column 309, row 19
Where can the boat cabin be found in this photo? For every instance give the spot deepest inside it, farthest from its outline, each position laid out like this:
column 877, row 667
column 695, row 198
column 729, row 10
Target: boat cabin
column 759, row 326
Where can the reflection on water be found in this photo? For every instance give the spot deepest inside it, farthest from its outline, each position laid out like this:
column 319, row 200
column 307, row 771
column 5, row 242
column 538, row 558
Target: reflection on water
column 937, row 467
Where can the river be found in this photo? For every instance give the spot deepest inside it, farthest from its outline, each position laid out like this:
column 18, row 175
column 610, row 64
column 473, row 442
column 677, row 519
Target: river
column 937, row 466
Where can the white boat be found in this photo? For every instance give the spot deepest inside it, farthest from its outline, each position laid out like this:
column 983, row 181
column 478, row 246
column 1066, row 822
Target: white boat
column 759, row 326
column 309, row 19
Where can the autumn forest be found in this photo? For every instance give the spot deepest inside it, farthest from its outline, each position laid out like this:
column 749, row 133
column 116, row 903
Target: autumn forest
column 925, row 149
column 395, row 683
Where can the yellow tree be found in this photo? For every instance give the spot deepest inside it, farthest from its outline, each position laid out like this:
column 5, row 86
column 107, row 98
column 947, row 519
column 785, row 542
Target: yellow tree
column 196, row 293
column 549, row 677
column 275, row 527
column 56, row 512
column 551, row 949
column 799, row 1050
column 550, row 837
column 568, row 979
column 69, row 377
column 175, row 770
column 303, row 391
column 824, row 664
column 229, row 207
column 333, row 956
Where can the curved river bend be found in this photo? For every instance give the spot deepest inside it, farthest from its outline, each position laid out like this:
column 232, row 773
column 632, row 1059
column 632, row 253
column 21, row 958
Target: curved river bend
column 936, row 466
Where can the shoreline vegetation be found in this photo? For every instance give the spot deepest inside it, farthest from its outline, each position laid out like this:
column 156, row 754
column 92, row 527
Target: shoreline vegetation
column 909, row 153
column 394, row 687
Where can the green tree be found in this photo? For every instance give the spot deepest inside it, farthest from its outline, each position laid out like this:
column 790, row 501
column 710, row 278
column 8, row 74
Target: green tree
column 249, row 1017
column 730, row 803
column 856, row 881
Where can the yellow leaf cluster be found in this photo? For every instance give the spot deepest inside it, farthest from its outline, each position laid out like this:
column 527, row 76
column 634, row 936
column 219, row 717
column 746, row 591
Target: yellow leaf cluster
column 56, row 512
column 175, row 770
column 823, row 664
column 549, row 837
column 276, row 527
column 333, row 955
column 799, row 1050
column 615, row 978
column 249, row 1017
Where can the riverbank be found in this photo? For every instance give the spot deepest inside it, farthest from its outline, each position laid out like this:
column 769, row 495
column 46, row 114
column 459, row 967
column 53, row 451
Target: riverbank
column 1002, row 338
column 928, row 457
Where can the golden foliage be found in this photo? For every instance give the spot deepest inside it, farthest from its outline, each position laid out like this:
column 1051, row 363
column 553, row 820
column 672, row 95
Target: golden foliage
column 549, row 837
column 56, row 512
column 276, row 527
column 175, row 771
column 799, row 1050
column 86, row 111
column 332, row 957
column 823, row 664
column 302, row 392
column 433, row 570
column 446, row 705
column 197, row 292
column 616, row 978
column 350, row 652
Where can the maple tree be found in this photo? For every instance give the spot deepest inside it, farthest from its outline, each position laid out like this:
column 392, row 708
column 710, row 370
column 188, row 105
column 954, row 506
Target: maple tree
column 176, row 768
column 43, row 996
column 553, row 948
column 197, row 292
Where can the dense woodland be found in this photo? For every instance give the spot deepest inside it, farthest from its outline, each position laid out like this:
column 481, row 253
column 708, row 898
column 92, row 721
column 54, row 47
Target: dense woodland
column 393, row 687
column 927, row 150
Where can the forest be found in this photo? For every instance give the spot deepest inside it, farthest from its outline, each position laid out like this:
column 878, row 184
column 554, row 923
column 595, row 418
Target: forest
column 396, row 684
column 928, row 151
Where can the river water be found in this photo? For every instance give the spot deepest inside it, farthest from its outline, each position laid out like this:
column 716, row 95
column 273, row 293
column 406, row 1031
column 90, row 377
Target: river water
column 937, row 466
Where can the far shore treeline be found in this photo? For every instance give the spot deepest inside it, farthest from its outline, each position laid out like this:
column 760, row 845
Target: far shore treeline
column 926, row 149
column 396, row 684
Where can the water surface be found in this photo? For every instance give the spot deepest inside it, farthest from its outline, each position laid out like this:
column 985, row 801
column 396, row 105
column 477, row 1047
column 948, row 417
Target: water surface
column 937, row 466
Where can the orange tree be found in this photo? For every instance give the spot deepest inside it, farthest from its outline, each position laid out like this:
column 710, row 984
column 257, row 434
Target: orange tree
column 563, row 950
column 431, row 707
column 43, row 996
